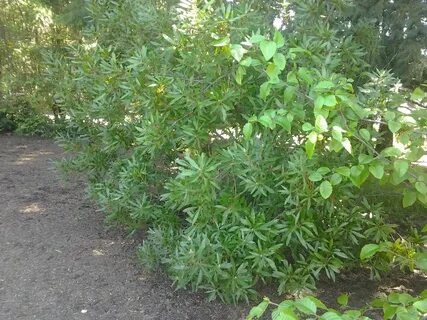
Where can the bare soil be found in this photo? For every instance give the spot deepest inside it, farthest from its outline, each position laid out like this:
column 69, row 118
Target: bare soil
column 58, row 260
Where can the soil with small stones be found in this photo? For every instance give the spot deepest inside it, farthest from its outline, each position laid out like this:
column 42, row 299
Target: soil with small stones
column 58, row 261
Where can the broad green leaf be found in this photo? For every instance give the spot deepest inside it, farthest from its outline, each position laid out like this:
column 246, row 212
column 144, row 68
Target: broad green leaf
column 421, row 187
column 369, row 250
column 279, row 60
column 409, row 198
column 268, row 49
column 377, row 170
column 315, row 176
column 401, row 167
column 305, row 75
column 330, row 316
column 321, row 124
column 278, row 39
column 307, row 126
column 319, row 102
column 257, row 311
column 305, row 305
column 292, row 77
column 325, row 85
column 247, row 62
column 266, row 121
column 394, row 126
column 389, row 311
column 347, row 145
column 337, row 133
column 289, row 94
column 256, row 38
column 310, row 144
column 273, row 72
column 309, row 148
column 330, row 101
column 284, row 314
column 221, row 42
column 312, row 137
column 418, row 94
column 247, row 130
column 364, row 133
column 319, row 304
column 389, row 115
column 237, row 51
column 264, row 90
column 323, row 170
column 343, row 300
column 326, row 189
column 241, row 71
column 336, row 179
column 421, row 305
column 344, row 171
column 391, row 152
column 284, row 122
column 421, row 261
column 365, row 158
column 359, row 174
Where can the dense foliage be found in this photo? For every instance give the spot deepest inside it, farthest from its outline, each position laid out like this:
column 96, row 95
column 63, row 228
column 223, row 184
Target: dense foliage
column 392, row 306
column 242, row 147
column 28, row 30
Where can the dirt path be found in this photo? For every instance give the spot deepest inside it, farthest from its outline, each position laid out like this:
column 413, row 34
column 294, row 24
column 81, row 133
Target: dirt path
column 57, row 260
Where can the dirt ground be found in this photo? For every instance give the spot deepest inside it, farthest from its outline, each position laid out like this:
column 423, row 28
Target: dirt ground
column 59, row 261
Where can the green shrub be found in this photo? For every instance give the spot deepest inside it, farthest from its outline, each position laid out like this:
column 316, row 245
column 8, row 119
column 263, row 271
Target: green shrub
column 7, row 124
column 243, row 148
